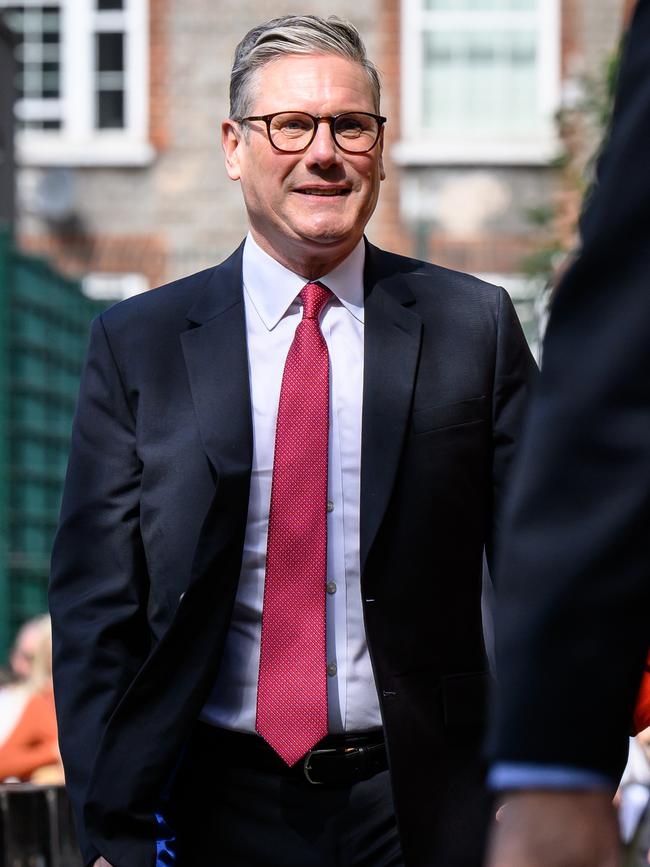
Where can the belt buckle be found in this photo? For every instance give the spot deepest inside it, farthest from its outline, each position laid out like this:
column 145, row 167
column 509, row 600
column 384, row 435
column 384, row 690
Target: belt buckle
column 306, row 765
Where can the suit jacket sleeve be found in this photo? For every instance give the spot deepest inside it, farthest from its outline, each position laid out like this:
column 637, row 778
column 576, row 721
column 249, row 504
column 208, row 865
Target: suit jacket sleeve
column 572, row 621
column 98, row 585
column 514, row 376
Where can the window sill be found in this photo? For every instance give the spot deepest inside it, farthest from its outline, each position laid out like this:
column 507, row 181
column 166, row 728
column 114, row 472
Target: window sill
column 102, row 151
column 541, row 152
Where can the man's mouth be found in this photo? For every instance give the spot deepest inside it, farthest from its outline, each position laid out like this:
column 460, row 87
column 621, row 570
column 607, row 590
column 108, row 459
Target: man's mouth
column 323, row 191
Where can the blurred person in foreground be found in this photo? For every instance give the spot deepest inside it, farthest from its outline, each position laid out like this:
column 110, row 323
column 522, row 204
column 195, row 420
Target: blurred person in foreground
column 28, row 735
column 266, row 582
column 573, row 612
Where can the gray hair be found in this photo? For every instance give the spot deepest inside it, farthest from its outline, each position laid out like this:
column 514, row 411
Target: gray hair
column 294, row 34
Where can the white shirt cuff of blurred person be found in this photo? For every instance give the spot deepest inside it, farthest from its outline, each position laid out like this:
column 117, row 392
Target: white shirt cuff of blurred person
column 524, row 775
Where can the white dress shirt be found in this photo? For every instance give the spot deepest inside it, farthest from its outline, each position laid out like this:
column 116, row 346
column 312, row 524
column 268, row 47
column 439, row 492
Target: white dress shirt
column 273, row 312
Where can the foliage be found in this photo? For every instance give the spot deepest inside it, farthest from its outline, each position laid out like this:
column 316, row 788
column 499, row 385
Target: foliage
column 593, row 113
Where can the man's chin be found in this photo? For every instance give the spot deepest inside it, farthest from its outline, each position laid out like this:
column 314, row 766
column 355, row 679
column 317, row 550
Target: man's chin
column 328, row 236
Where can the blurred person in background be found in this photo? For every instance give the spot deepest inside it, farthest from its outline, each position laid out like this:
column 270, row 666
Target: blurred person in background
column 14, row 690
column 29, row 637
column 28, row 732
column 573, row 602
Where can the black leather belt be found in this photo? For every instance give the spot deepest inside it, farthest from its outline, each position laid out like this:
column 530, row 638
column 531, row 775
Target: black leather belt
column 337, row 760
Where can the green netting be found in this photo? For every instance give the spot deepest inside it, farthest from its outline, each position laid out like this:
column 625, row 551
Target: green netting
column 44, row 320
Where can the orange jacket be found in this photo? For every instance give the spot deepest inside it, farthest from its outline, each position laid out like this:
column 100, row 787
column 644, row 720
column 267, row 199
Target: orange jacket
column 33, row 742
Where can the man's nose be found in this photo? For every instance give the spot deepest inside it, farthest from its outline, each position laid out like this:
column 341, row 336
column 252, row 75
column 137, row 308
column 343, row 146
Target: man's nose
column 323, row 151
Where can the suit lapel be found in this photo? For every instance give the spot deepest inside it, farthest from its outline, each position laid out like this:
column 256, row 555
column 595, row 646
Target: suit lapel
column 391, row 351
column 217, row 366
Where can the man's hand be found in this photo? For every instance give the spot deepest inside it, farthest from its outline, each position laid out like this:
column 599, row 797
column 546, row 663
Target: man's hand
column 538, row 828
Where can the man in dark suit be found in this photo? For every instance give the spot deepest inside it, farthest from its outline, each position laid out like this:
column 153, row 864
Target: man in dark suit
column 574, row 580
column 284, row 472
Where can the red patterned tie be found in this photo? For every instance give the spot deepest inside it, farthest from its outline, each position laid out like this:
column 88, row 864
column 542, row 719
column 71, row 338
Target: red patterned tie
column 292, row 687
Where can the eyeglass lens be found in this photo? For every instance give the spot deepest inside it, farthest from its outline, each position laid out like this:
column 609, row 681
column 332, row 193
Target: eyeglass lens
column 293, row 130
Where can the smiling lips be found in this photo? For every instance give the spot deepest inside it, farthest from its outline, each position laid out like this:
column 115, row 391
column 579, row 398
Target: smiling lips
column 323, row 191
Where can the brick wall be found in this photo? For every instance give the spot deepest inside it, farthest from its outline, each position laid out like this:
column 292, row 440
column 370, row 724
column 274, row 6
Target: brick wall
column 387, row 228
column 159, row 73
column 76, row 255
column 182, row 213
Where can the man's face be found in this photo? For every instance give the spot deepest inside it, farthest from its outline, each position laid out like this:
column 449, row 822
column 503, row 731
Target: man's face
column 289, row 219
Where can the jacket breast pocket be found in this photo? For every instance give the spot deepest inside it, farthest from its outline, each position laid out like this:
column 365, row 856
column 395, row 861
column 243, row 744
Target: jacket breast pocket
column 463, row 412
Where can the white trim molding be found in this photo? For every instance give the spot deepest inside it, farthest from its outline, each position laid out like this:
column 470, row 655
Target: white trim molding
column 108, row 285
column 46, row 150
column 427, row 152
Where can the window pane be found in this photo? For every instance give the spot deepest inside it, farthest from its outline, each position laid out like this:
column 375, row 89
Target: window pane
column 110, row 109
column 109, row 80
column 37, row 51
column 110, row 52
column 478, row 82
column 50, row 20
column 38, row 124
column 109, row 4
column 50, row 80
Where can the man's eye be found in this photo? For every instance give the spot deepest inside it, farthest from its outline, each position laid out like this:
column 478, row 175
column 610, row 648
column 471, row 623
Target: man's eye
column 349, row 128
column 295, row 126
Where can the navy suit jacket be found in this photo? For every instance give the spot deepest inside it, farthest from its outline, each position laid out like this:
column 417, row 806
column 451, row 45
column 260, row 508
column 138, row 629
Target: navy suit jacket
column 148, row 553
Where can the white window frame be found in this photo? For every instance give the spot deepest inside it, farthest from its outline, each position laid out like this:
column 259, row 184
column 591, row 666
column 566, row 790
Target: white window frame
column 79, row 142
column 420, row 147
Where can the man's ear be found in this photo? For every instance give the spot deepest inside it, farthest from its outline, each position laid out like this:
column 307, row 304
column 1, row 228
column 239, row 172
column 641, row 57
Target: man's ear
column 382, row 173
column 232, row 141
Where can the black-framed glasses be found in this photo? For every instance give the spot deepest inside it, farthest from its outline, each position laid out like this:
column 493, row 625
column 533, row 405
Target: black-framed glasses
column 355, row 132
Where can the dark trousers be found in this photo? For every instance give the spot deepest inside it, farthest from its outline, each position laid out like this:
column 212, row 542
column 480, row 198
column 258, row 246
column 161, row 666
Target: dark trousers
column 227, row 815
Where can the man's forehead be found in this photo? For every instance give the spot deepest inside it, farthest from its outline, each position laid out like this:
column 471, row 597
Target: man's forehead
column 318, row 71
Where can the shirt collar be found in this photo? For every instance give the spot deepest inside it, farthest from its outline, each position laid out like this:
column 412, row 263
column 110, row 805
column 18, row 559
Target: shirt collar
column 272, row 288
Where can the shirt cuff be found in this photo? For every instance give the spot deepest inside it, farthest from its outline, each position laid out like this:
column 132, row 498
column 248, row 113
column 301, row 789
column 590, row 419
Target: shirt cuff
column 521, row 775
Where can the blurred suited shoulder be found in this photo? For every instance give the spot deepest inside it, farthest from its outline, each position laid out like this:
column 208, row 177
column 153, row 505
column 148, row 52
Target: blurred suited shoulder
column 574, row 577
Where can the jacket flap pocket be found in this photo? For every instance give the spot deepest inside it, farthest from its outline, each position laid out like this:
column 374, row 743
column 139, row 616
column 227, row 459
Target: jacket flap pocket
column 464, row 698
column 435, row 417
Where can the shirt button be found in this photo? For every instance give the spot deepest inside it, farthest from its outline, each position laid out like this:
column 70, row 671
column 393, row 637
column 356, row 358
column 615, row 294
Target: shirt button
column 331, row 668
column 331, row 587
column 330, row 505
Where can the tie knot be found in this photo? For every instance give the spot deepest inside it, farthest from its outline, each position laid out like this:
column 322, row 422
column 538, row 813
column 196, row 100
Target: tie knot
column 314, row 297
